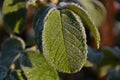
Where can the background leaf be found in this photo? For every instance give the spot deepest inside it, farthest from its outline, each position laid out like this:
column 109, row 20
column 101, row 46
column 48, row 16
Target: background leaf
column 3, row 73
column 36, row 67
column 14, row 12
column 110, row 57
column 94, row 56
column 95, row 10
column 11, row 50
column 14, row 43
column 114, row 74
column 64, row 41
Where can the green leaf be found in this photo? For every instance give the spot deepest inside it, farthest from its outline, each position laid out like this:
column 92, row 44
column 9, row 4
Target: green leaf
column 64, row 41
column 14, row 14
column 86, row 18
column 36, row 67
column 95, row 9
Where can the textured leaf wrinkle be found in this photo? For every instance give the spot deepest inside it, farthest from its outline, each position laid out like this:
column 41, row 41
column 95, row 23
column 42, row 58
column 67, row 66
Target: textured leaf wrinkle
column 83, row 14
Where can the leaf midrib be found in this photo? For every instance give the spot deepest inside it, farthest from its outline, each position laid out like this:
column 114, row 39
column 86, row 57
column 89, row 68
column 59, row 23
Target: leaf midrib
column 69, row 67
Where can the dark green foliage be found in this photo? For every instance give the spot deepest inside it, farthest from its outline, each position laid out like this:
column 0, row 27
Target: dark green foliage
column 94, row 56
column 11, row 50
column 114, row 74
column 111, row 56
column 107, row 62
column 14, row 12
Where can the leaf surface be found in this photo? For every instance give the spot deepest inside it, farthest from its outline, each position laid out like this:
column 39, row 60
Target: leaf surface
column 64, row 41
